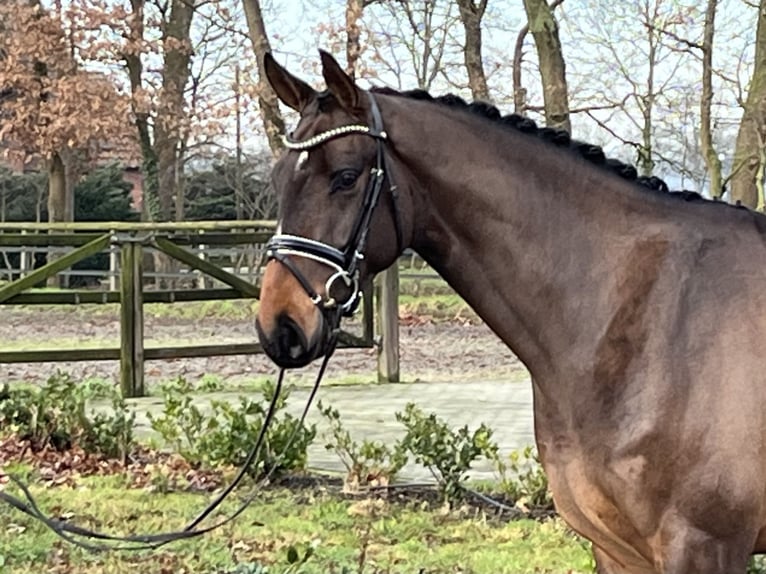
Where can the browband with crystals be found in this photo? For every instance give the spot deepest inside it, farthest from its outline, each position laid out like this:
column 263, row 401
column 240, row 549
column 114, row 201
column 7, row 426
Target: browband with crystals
column 330, row 134
column 345, row 262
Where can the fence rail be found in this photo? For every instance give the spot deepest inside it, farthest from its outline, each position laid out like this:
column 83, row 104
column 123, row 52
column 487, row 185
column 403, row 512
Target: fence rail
column 188, row 243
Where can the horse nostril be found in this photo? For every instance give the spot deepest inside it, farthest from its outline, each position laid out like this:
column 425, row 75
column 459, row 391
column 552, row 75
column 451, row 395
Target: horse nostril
column 290, row 338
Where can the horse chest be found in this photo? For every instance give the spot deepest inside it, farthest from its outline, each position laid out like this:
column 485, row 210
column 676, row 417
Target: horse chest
column 589, row 507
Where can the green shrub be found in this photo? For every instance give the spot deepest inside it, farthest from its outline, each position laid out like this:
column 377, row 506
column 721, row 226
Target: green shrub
column 447, row 453
column 56, row 415
column 523, row 480
column 367, row 464
column 293, row 558
column 225, row 435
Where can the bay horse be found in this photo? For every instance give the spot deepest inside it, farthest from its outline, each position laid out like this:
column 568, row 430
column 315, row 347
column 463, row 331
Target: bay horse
column 635, row 310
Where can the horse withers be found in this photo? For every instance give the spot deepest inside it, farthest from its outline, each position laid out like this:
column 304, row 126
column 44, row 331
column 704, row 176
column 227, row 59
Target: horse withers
column 636, row 311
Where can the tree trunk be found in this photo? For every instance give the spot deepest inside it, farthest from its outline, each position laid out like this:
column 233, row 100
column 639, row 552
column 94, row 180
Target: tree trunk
column 165, row 147
column 519, row 91
column 56, row 201
column 752, row 128
column 545, row 31
column 73, row 169
column 239, row 187
column 354, row 9
column 167, row 128
column 56, row 189
column 471, row 14
column 134, row 65
column 180, row 183
column 760, row 173
column 712, row 161
column 267, row 99
column 3, row 201
column 645, row 161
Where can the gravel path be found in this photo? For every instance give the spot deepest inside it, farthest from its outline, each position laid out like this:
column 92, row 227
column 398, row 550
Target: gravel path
column 444, row 351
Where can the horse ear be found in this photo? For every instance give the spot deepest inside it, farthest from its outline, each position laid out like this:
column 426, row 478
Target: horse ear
column 340, row 83
column 293, row 92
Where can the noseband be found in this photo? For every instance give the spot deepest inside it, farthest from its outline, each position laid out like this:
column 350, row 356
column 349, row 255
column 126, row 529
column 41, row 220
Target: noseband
column 345, row 262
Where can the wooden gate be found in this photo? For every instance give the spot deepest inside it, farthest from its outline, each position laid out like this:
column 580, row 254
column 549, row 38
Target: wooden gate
column 182, row 242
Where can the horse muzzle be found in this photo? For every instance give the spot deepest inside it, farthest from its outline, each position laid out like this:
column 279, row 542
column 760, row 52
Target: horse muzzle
column 292, row 329
column 289, row 345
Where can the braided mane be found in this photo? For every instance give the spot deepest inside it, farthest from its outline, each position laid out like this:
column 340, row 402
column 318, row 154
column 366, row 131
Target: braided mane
column 559, row 138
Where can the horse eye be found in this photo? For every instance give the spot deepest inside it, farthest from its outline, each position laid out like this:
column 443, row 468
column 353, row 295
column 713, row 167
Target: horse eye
column 344, row 180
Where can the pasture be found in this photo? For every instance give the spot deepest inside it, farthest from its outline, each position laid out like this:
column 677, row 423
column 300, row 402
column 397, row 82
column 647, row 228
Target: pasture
column 347, row 534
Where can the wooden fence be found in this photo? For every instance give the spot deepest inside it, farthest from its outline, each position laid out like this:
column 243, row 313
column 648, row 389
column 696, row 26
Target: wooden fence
column 187, row 243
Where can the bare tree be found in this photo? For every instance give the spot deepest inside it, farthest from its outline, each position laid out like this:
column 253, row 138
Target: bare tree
column 712, row 161
column 471, row 14
column 414, row 38
column 267, row 100
column 520, row 104
column 168, row 128
column 545, row 31
column 160, row 127
column 633, row 50
column 748, row 152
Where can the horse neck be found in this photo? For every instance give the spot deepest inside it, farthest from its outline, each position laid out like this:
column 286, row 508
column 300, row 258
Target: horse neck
column 537, row 242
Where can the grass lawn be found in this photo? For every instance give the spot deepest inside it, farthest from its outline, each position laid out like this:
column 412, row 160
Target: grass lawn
column 359, row 534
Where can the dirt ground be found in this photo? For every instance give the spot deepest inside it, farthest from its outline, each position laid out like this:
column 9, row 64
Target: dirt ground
column 432, row 351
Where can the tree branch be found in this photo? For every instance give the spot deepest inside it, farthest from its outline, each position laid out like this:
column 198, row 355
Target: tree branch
column 688, row 43
column 611, row 132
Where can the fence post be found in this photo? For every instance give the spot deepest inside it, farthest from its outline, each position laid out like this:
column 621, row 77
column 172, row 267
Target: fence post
column 131, row 320
column 113, row 262
column 368, row 313
column 387, row 302
column 26, row 257
column 202, row 281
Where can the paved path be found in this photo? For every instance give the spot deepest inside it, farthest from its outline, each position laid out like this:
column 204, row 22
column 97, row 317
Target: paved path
column 367, row 411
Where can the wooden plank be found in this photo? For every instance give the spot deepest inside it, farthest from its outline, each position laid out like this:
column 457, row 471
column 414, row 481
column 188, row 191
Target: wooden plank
column 217, row 238
column 45, row 239
column 138, row 321
column 81, row 297
column 113, row 354
column 114, row 262
column 204, row 280
column 50, row 269
column 68, row 297
column 59, row 355
column 195, row 295
column 388, row 325
column 347, row 340
column 127, row 328
column 26, row 260
column 105, row 226
column 213, row 270
column 154, row 353
column 368, row 314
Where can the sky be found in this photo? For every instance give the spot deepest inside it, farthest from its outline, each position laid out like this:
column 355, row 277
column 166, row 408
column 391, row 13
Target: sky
column 604, row 44
column 606, row 51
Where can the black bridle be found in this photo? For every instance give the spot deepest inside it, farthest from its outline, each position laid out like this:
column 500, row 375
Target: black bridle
column 345, row 262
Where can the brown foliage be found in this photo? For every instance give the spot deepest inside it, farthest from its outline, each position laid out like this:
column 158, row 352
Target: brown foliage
column 143, row 468
column 49, row 104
